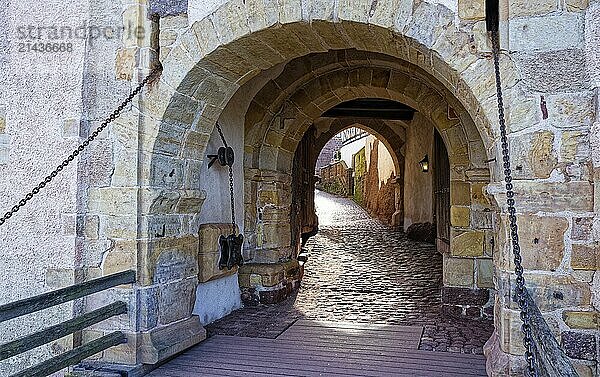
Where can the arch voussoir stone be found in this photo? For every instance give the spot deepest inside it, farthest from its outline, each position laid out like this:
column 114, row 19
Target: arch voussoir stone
column 231, row 21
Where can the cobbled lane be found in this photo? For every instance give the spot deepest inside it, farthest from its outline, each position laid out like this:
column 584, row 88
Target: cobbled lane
column 361, row 270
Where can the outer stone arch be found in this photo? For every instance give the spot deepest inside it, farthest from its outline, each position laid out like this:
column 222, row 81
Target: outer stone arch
column 222, row 52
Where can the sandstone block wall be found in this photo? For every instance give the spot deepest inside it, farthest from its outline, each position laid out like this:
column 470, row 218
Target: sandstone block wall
column 48, row 103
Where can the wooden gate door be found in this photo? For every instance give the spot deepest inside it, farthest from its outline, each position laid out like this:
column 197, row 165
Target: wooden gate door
column 441, row 170
column 303, row 217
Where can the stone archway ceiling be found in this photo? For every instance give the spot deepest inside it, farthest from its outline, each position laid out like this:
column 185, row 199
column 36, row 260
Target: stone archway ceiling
column 308, row 86
column 371, row 108
column 305, row 73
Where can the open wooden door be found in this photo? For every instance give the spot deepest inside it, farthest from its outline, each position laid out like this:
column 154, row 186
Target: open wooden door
column 441, row 171
column 303, row 216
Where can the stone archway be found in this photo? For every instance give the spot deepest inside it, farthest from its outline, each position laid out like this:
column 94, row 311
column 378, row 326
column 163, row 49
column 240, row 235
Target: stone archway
column 303, row 216
column 279, row 116
column 328, row 80
column 392, row 136
column 218, row 55
column 391, row 133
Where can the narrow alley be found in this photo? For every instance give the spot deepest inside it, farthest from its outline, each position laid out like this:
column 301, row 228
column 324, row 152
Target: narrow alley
column 362, row 271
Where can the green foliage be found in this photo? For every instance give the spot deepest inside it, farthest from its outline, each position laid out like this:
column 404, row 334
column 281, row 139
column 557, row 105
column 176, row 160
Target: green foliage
column 360, row 163
column 359, row 192
column 335, row 186
column 360, row 171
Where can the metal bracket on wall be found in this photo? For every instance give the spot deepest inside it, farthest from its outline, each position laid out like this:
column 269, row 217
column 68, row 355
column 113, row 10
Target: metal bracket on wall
column 225, row 156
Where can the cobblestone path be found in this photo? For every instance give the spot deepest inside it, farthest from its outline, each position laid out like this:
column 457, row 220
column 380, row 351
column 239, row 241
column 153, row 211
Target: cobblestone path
column 361, row 270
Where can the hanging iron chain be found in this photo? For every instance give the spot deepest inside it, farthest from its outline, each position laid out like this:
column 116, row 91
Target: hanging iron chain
column 221, row 135
column 231, row 191
column 231, row 188
column 115, row 114
column 510, row 195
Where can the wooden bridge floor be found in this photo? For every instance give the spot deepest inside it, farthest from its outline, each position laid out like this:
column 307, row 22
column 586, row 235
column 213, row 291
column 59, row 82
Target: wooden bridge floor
column 310, row 348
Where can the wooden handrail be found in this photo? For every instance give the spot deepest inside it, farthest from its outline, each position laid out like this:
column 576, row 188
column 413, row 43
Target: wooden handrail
column 71, row 326
column 550, row 358
column 60, row 296
column 50, row 299
column 74, row 356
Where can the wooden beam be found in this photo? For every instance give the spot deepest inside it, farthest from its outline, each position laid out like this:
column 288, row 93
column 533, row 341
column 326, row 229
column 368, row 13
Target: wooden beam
column 373, row 103
column 74, row 356
column 60, row 296
column 371, row 108
column 390, row 114
column 40, row 338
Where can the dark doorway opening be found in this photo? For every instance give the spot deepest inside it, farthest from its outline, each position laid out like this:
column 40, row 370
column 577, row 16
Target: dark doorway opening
column 441, row 171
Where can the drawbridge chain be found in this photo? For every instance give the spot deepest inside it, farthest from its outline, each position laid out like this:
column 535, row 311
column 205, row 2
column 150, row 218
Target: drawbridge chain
column 493, row 26
column 543, row 354
column 229, row 162
column 521, row 293
column 115, row 114
column 231, row 245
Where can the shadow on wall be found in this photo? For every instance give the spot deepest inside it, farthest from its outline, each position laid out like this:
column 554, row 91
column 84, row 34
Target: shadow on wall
column 379, row 197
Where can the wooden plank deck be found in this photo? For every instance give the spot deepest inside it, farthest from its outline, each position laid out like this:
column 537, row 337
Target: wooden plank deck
column 310, row 348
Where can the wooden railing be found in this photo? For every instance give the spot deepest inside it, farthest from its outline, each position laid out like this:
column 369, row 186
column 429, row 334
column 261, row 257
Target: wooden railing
column 61, row 296
column 550, row 359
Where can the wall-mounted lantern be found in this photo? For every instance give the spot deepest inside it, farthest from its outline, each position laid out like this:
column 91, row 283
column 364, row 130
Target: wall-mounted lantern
column 424, row 164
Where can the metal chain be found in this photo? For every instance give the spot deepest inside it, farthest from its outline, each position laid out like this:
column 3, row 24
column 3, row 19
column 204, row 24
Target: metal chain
column 231, row 189
column 115, row 114
column 232, row 198
column 221, row 134
column 510, row 194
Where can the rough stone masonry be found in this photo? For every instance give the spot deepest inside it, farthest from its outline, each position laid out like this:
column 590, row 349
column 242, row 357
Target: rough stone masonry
column 267, row 70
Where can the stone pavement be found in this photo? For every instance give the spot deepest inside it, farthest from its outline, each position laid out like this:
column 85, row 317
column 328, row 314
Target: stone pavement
column 361, row 270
